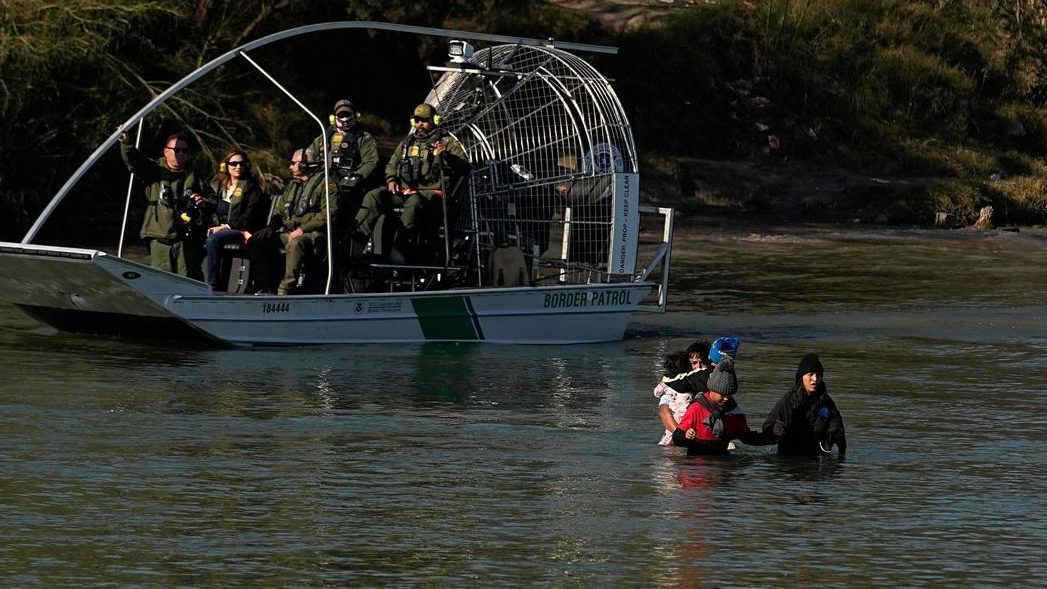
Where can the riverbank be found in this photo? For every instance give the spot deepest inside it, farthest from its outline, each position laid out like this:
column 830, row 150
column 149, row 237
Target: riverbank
column 880, row 112
column 785, row 190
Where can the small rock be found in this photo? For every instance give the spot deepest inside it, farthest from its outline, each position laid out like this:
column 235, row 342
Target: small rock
column 1017, row 129
column 984, row 218
column 944, row 220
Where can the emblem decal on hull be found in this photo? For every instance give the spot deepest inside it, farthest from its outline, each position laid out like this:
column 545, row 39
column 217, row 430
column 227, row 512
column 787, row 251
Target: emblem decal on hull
column 131, row 275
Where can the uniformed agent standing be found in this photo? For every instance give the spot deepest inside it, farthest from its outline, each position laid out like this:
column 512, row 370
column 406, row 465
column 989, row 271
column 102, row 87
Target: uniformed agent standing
column 176, row 206
column 299, row 224
column 424, row 165
column 352, row 154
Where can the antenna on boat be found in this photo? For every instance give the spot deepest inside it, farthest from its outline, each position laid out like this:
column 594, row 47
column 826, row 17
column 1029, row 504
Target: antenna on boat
column 127, row 204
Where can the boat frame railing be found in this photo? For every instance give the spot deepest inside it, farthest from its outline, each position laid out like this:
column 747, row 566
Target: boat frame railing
column 661, row 256
column 660, row 259
column 268, row 39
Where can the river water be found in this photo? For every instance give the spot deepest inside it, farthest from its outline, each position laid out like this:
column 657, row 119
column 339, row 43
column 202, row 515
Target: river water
column 465, row 465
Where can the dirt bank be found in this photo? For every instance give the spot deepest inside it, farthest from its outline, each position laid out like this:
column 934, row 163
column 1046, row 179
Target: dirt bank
column 780, row 189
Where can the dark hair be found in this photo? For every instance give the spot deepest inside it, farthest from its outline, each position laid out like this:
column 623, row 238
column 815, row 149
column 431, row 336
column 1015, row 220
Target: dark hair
column 677, row 363
column 222, row 179
column 701, row 348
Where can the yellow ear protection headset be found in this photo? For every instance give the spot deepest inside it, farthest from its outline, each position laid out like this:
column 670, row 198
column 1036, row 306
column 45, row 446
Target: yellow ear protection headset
column 436, row 118
column 436, row 121
column 224, row 166
column 331, row 119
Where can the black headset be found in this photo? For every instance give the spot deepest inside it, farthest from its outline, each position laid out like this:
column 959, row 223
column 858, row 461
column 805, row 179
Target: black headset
column 307, row 167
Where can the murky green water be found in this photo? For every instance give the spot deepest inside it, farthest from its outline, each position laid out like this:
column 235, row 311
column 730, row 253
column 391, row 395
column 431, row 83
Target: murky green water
column 131, row 465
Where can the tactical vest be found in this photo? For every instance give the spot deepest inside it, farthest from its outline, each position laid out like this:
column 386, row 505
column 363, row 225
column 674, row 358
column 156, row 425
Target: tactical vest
column 166, row 203
column 345, row 155
column 417, row 166
column 298, row 204
column 305, row 198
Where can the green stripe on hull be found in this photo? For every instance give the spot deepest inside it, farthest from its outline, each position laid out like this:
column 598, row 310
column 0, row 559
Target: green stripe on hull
column 445, row 318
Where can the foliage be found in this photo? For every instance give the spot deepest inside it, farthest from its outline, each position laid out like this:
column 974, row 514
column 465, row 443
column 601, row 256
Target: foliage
column 70, row 70
column 950, row 88
column 847, row 82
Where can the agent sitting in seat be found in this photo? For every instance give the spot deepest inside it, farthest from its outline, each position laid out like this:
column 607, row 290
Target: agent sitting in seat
column 299, row 225
column 426, row 164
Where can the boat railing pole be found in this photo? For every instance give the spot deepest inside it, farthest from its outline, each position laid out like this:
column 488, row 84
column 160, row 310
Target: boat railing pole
column 447, row 226
column 327, row 171
column 127, row 204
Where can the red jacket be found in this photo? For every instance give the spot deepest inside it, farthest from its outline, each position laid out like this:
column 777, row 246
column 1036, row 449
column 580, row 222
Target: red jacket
column 714, row 427
column 700, row 415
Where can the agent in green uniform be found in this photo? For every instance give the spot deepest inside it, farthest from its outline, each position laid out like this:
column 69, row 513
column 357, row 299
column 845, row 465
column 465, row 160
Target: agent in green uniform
column 424, row 165
column 352, row 154
column 299, row 225
column 177, row 203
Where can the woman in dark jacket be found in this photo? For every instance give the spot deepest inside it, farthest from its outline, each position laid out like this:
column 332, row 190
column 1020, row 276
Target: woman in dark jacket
column 806, row 420
column 242, row 209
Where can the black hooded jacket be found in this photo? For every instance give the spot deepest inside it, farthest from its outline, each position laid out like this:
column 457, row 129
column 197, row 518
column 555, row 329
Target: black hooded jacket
column 805, row 422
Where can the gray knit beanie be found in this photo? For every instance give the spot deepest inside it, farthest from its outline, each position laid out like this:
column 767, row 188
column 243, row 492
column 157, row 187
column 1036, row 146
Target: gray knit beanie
column 722, row 380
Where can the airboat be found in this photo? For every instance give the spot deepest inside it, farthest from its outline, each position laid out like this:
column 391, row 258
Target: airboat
column 554, row 176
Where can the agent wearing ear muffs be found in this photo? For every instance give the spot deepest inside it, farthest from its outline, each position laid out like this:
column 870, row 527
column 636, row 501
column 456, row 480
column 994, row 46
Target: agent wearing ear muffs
column 298, row 225
column 425, row 164
column 352, row 154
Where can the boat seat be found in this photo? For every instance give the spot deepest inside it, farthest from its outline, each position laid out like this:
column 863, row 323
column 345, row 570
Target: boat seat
column 506, row 266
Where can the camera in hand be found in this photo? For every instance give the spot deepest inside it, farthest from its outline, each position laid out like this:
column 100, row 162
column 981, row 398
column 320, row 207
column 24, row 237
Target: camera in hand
column 190, row 208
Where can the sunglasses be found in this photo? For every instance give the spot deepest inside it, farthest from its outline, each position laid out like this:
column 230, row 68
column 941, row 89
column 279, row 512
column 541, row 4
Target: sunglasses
column 178, row 149
column 422, row 119
column 235, row 164
column 344, row 115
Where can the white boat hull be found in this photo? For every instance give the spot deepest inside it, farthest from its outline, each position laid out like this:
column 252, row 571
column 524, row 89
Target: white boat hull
column 88, row 290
